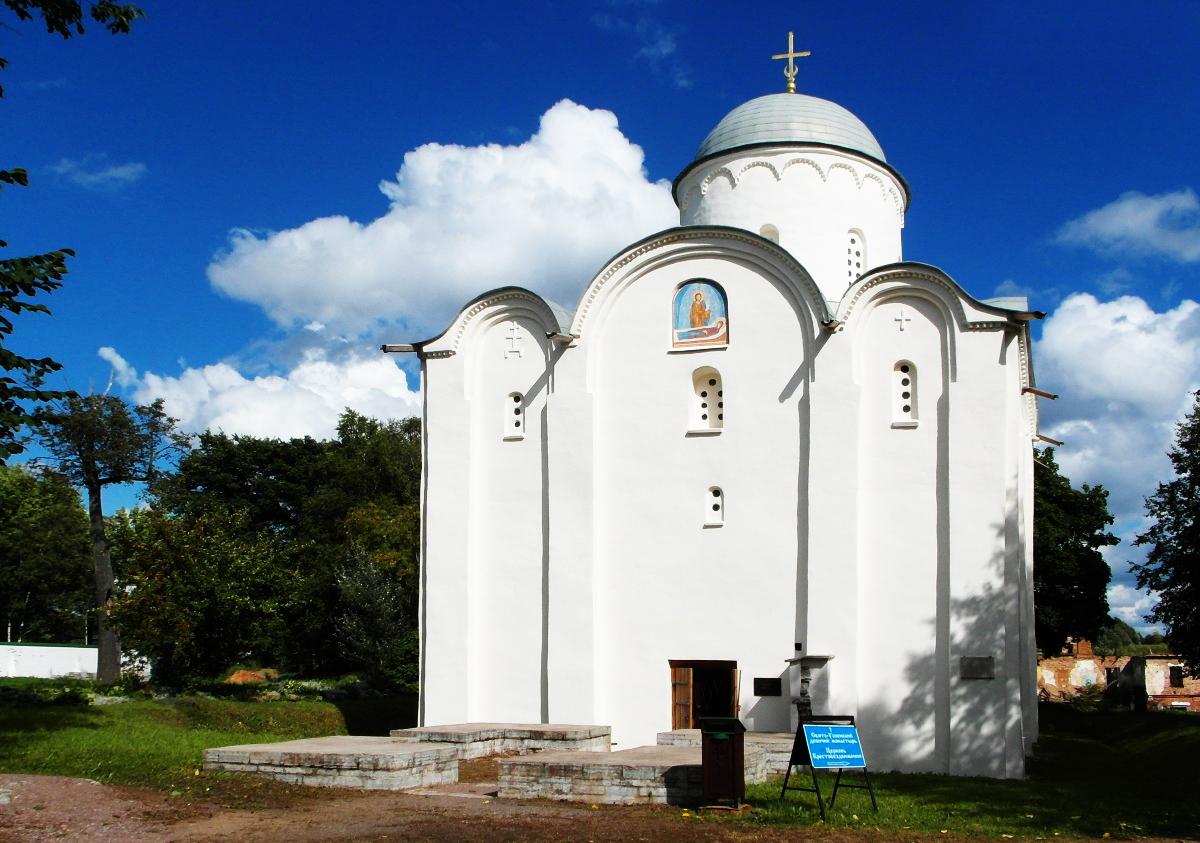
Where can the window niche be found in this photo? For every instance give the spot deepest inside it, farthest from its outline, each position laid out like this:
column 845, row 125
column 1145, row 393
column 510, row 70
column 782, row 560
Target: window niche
column 707, row 411
column 513, row 415
column 904, row 394
column 714, row 507
column 856, row 255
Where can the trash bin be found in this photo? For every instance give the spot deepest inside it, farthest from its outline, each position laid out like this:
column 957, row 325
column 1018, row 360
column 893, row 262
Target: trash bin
column 723, row 761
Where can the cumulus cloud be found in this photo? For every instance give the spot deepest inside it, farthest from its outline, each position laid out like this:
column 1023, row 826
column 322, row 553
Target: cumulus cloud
column 544, row 215
column 1137, row 225
column 1125, row 375
column 98, row 172
column 306, row 400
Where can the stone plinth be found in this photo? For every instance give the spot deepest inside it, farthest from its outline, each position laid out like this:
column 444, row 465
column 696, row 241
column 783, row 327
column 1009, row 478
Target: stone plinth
column 342, row 761
column 476, row 740
column 776, row 747
column 663, row 774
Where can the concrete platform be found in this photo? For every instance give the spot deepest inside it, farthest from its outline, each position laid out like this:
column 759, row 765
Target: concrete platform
column 476, row 740
column 776, row 746
column 342, row 761
column 663, row 774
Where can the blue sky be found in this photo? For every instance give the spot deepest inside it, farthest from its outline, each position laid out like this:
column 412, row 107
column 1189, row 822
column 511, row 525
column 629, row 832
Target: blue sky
column 260, row 193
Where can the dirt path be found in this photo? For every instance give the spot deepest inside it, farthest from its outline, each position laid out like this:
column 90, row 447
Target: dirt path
column 48, row 808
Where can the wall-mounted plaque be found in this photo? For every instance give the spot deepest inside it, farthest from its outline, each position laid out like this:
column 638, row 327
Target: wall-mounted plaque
column 977, row 667
column 768, row 687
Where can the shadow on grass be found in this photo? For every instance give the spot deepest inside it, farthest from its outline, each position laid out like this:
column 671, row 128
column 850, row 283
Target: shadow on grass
column 377, row 716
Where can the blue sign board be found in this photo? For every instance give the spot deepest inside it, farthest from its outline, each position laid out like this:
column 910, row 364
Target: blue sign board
column 833, row 746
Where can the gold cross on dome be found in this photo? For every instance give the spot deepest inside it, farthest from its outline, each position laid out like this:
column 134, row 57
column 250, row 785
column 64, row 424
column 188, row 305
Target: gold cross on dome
column 789, row 72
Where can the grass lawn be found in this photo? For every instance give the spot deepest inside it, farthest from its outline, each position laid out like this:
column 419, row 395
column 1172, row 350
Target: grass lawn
column 1094, row 774
column 159, row 745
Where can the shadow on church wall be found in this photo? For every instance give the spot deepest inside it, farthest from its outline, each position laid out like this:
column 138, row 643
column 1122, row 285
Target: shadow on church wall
column 978, row 711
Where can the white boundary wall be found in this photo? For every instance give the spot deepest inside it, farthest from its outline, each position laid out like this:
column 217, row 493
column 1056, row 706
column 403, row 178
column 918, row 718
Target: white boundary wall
column 47, row 661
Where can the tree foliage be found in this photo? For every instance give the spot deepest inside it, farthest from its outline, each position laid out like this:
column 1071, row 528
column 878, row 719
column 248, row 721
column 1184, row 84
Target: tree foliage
column 1070, row 576
column 203, row 593
column 96, row 441
column 45, row 558
column 1172, row 566
column 352, row 505
column 21, row 378
column 21, row 279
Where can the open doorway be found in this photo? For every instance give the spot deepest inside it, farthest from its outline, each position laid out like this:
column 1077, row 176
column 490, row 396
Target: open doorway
column 702, row 689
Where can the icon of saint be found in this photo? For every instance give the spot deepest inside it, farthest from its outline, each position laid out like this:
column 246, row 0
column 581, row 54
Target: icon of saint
column 700, row 311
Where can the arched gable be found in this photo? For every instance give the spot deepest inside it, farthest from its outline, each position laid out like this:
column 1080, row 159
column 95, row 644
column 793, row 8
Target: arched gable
column 676, row 247
column 680, row 244
column 960, row 312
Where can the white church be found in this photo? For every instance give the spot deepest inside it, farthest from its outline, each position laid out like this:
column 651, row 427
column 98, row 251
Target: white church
column 764, row 459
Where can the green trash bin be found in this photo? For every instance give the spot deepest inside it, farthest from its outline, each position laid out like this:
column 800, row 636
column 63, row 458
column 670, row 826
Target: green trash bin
column 723, row 761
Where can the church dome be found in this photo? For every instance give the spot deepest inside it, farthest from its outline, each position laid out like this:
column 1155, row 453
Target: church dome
column 790, row 118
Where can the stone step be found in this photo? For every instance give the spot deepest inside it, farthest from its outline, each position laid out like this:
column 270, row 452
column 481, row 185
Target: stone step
column 342, row 761
column 476, row 740
column 662, row 774
column 776, row 746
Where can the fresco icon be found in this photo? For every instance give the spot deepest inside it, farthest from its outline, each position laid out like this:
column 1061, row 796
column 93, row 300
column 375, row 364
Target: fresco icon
column 700, row 316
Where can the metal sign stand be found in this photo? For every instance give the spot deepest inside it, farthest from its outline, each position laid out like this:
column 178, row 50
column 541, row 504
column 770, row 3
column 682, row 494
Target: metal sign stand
column 801, row 757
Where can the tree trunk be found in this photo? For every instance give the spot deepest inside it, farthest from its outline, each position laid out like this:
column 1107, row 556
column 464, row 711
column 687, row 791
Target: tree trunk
column 108, row 662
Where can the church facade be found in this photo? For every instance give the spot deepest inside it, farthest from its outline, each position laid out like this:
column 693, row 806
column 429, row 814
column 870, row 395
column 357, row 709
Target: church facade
column 764, row 451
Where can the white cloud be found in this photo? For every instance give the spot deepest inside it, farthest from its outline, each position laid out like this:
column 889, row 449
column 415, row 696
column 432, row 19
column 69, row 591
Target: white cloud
column 305, row 401
column 1125, row 375
column 543, row 215
column 122, row 372
column 1132, row 606
column 657, row 44
column 1137, row 225
column 96, row 172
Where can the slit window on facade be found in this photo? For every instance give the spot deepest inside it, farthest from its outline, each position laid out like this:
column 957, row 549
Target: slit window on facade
column 714, row 507
column 707, row 412
column 904, row 394
column 856, row 255
column 514, row 416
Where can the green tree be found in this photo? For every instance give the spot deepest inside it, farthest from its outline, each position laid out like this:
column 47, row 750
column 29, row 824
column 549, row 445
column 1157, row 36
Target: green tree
column 98, row 441
column 358, row 493
column 376, row 630
column 45, row 558
column 1172, row 566
column 1115, row 636
column 200, row 594
column 1070, row 576
column 21, row 279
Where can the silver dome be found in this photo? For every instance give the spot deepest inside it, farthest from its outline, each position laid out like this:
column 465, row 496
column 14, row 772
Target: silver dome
column 790, row 118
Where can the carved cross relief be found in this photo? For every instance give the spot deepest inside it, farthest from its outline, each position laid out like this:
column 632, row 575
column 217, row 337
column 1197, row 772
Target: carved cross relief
column 514, row 338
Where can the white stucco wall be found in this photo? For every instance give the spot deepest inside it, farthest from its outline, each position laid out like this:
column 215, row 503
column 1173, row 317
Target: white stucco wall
column 46, row 661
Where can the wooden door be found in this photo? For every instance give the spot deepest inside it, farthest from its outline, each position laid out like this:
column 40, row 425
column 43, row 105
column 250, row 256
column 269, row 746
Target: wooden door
column 681, row 698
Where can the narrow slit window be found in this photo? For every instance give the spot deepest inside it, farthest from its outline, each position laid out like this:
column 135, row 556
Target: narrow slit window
column 856, row 255
column 904, row 394
column 707, row 413
column 714, row 507
column 514, row 416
